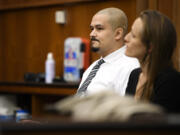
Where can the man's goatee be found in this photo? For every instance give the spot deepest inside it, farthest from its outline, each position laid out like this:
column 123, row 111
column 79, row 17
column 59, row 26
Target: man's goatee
column 95, row 49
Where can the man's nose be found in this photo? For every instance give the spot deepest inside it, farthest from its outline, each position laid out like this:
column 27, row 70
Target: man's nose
column 93, row 33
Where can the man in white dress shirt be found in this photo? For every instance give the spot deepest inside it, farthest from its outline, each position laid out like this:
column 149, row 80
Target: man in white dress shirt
column 108, row 28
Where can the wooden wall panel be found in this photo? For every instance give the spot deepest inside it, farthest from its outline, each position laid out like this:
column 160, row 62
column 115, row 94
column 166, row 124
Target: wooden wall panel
column 170, row 8
column 141, row 5
column 166, row 7
column 27, row 35
column 176, row 20
column 17, row 4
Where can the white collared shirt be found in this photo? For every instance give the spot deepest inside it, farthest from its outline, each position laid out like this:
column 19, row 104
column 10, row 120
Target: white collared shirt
column 113, row 74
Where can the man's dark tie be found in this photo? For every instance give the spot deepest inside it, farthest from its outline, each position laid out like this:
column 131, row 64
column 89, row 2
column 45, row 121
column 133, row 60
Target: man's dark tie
column 90, row 77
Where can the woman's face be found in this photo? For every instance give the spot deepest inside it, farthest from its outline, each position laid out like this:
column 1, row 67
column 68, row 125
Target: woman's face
column 135, row 47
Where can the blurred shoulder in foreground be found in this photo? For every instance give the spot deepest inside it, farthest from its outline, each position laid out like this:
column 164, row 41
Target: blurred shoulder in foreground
column 104, row 106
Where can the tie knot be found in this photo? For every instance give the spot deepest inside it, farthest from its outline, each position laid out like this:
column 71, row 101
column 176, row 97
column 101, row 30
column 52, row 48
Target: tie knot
column 101, row 61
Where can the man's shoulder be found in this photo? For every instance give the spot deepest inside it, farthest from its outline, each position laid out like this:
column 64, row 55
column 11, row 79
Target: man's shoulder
column 128, row 61
column 91, row 65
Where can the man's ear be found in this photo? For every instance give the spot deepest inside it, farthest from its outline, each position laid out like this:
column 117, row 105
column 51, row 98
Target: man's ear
column 118, row 33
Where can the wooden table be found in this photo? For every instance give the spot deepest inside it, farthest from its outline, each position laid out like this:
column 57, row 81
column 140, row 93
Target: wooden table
column 40, row 92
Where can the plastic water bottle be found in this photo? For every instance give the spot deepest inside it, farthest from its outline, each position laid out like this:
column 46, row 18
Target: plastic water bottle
column 49, row 68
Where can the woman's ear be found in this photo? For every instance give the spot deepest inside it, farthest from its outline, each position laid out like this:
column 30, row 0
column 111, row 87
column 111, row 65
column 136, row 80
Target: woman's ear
column 118, row 33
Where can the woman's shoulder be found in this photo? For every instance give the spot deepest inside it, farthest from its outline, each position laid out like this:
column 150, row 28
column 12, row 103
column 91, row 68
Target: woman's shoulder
column 133, row 79
column 136, row 71
column 135, row 74
column 166, row 89
column 169, row 73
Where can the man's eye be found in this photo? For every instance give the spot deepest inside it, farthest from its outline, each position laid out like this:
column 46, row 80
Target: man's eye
column 99, row 28
column 91, row 28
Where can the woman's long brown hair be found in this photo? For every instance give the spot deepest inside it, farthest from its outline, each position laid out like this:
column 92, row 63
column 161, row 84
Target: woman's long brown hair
column 158, row 34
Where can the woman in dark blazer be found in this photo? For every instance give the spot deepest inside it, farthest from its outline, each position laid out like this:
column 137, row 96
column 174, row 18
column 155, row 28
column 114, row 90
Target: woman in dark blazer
column 152, row 40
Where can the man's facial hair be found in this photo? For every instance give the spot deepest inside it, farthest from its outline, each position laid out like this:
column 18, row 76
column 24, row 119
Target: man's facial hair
column 94, row 49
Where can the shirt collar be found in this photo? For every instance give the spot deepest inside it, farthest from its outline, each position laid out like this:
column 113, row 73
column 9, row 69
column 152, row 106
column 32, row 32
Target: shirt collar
column 115, row 55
